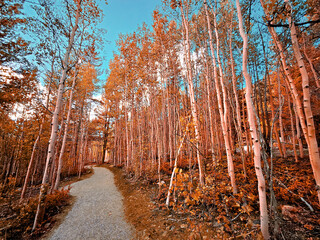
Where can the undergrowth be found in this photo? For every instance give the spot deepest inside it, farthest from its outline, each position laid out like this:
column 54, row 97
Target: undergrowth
column 237, row 215
column 17, row 216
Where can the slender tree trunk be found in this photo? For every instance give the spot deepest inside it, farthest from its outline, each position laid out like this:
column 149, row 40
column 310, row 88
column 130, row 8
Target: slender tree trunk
column 191, row 91
column 175, row 168
column 214, row 160
column 294, row 138
column 282, row 146
column 105, row 139
column 55, row 117
column 264, row 218
column 222, row 105
column 65, row 135
column 266, row 79
column 312, row 143
column 35, row 145
column 275, row 126
column 298, row 133
column 238, row 115
column 316, row 79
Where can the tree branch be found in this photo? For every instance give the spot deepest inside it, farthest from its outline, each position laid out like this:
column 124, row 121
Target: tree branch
column 297, row 24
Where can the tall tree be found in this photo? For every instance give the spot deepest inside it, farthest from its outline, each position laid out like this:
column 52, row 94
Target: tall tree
column 264, row 218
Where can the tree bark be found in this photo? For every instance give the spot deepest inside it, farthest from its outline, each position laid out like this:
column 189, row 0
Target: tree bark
column 238, row 115
column 191, row 91
column 264, row 218
column 55, row 117
column 312, row 143
column 35, row 144
column 65, row 135
column 222, row 105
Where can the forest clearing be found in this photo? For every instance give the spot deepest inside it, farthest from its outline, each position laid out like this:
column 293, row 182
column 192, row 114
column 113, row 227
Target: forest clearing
column 203, row 123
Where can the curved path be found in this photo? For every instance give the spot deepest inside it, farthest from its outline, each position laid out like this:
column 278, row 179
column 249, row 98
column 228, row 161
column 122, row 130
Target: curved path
column 97, row 212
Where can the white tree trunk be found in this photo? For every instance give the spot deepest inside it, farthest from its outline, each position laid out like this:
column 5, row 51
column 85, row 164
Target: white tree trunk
column 35, row 145
column 264, row 218
column 191, row 91
column 65, row 135
column 222, row 105
column 312, row 143
column 55, row 117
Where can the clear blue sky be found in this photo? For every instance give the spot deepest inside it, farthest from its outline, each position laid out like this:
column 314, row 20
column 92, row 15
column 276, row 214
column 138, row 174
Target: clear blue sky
column 124, row 16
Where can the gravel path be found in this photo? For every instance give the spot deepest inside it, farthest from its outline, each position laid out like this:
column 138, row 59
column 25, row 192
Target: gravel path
column 97, row 212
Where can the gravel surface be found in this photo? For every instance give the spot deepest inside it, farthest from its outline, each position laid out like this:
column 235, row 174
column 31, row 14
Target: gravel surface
column 97, row 212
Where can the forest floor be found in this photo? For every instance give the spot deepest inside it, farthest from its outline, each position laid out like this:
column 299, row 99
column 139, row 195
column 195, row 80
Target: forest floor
column 151, row 220
column 195, row 214
column 146, row 211
column 16, row 217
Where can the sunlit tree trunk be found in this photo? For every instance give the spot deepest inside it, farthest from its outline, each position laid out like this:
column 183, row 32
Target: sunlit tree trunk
column 191, row 89
column 65, row 134
column 264, row 218
column 282, row 146
column 298, row 133
column 238, row 114
column 294, row 138
column 222, row 104
column 214, row 160
column 312, row 143
column 36, row 142
column 55, row 117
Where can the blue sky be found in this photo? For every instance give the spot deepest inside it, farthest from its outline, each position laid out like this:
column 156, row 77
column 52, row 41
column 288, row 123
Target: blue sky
column 124, row 16
column 120, row 16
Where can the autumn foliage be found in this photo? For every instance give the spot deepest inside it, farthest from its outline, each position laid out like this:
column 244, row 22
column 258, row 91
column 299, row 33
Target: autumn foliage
column 178, row 106
column 214, row 107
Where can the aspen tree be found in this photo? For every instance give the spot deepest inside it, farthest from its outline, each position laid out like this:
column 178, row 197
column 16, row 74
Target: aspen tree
column 36, row 142
column 264, row 218
column 311, row 133
column 222, row 102
column 238, row 114
column 315, row 76
column 294, row 138
column 64, row 140
column 281, row 99
column 55, row 117
column 304, row 111
column 194, row 112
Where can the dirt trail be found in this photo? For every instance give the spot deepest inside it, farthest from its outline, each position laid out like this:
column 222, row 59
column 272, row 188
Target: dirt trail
column 97, row 213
